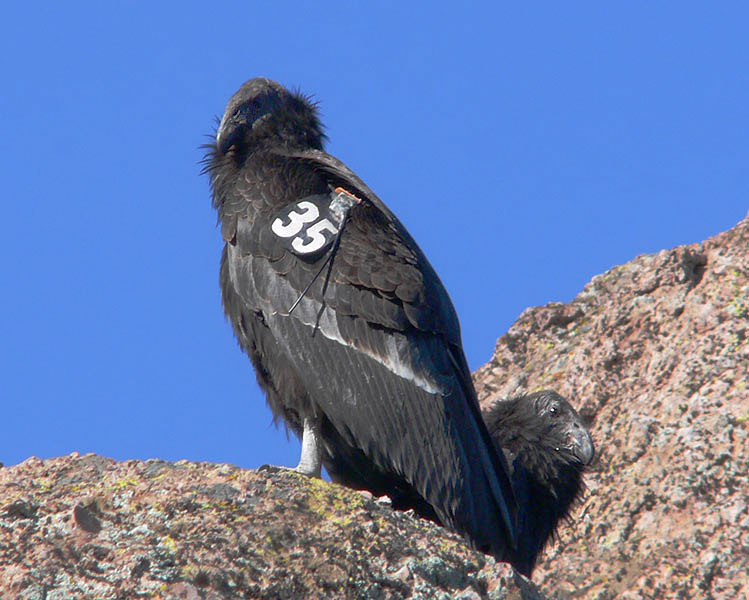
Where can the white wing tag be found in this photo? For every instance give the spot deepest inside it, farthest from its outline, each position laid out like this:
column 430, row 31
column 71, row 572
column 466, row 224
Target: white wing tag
column 310, row 225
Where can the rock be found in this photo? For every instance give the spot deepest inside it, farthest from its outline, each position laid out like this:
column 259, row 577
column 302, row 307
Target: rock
column 655, row 355
column 90, row 527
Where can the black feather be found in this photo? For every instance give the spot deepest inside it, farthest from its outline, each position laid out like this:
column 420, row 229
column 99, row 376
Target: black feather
column 547, row 446
column 372, row 349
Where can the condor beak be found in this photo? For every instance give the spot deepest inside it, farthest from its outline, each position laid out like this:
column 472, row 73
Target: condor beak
column 229, row 133
column 581, row 444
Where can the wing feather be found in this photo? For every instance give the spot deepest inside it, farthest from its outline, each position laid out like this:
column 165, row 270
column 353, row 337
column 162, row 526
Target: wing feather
column 377, row 343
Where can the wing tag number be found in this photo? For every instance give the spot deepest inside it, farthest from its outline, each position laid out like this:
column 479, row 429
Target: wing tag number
column 311, row 224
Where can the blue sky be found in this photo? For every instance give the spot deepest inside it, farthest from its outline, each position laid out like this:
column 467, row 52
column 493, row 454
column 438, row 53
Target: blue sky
column 526, row 148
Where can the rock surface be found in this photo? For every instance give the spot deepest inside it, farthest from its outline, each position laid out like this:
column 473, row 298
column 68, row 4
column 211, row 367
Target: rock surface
column 89, row 527
column 654, row 353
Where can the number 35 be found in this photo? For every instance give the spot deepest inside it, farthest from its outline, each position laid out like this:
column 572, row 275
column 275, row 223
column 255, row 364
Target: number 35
column 309, row 213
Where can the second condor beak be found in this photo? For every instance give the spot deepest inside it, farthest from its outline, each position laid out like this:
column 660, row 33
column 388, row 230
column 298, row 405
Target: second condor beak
column 581, row 444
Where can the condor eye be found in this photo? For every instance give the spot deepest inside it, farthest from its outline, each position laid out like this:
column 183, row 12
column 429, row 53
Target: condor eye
column 553, row 409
